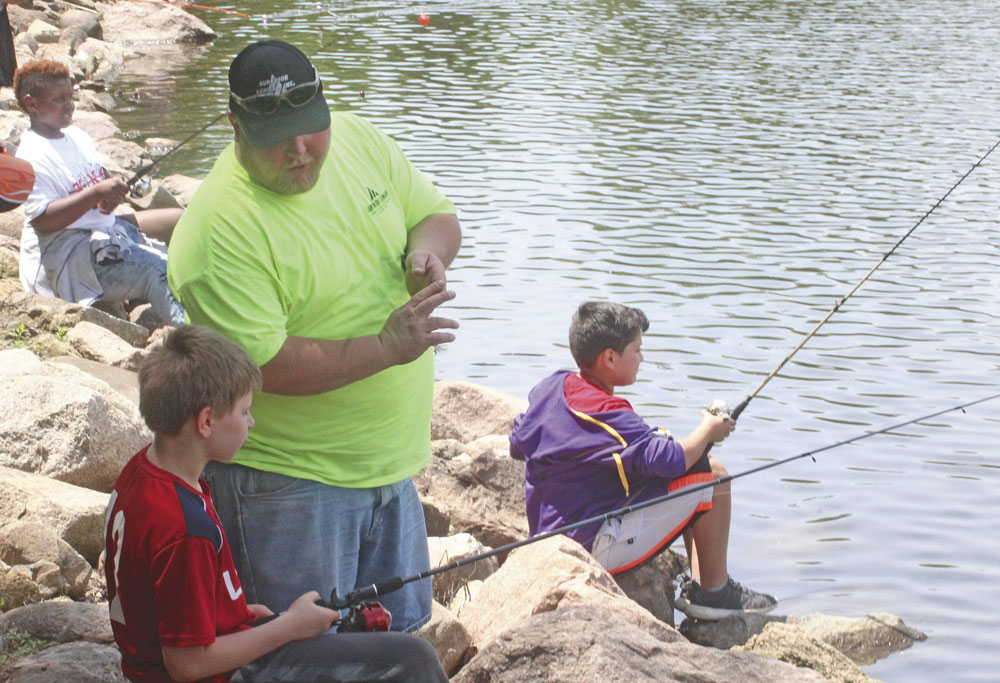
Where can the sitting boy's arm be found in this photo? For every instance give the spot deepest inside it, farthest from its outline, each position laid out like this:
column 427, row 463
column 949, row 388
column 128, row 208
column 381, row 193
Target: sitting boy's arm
column 63, row 212
column 304, row 619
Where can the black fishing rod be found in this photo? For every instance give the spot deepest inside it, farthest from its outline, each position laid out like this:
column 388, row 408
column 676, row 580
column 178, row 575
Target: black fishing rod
column 740, row 408
column 149, row 167
column 368, row 593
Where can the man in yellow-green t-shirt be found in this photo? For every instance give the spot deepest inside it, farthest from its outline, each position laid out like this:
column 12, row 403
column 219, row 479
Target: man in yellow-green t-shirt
column 315, row 244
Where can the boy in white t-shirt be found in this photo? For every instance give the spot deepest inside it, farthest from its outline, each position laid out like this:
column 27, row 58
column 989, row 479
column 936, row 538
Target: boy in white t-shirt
column 73, row 246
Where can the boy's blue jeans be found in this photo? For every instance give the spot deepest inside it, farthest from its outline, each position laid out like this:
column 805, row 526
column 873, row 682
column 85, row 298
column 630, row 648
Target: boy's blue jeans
column 140, row 274
column 289, row 536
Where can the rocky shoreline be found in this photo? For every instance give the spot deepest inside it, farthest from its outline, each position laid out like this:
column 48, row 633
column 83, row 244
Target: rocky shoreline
column 69, row 420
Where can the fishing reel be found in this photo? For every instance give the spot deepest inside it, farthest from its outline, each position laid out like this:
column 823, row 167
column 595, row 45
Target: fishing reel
column 364, row 617
column 140, row 188
column 720, row 407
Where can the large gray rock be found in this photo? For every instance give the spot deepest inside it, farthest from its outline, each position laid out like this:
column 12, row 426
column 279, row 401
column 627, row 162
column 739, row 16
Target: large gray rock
column 88, row 21
column 57, row 315
column 865, row 640
column 12, row 223
column 74, row 513
column 791, row 644
column 481, row 494
column 59, row 421
column 552, row 574
column 452, row 549
column 736, row 629
column 100, row 344
column 597, row 643
column 450, row 639
column 125, row 382
column 62, row 621
column 27, row 543
column 130, row 23
column 467, row 411
column 77, row 662
column 181, row 187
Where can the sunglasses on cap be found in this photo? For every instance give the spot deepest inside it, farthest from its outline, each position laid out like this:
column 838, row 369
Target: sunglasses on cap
column 297, row 96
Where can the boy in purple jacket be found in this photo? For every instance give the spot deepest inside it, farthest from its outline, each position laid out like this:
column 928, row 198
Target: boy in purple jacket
column 588, row 453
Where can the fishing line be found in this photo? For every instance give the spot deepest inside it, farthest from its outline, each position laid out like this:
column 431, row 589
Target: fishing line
column 739, row 408
column 375, row 590
column 149, row 167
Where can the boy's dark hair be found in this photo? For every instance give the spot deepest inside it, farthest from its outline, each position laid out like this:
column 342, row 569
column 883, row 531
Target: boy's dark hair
column 193, row 368
column 34, row 77
column 600, row 325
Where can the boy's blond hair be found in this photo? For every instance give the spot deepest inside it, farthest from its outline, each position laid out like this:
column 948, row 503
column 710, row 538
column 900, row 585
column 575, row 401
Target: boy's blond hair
column 34, row 77
column 193, row 368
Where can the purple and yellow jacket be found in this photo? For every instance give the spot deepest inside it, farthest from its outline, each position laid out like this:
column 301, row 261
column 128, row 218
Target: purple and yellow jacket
column 580, row 466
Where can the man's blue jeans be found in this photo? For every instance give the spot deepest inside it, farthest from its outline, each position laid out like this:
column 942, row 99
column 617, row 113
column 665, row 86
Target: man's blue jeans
column 289, row 536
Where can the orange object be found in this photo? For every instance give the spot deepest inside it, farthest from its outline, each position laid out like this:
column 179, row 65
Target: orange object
column 424, row 20
column 17, row 178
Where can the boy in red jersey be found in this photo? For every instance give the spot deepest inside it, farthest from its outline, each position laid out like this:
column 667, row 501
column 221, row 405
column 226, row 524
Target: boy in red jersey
column 177, row 606
column 587, row 453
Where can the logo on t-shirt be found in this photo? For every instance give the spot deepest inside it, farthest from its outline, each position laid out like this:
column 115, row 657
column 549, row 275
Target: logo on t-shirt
column 376, row 201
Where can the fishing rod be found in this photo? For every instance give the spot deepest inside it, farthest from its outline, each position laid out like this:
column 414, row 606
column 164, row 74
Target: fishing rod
column 364, row 595
column 149, row 167
column 735, row 413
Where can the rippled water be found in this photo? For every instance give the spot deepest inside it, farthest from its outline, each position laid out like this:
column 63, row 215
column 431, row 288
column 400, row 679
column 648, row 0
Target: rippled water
column 733, row 168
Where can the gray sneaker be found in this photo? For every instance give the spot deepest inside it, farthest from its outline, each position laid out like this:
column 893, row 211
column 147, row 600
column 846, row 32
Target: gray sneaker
column 698, row 603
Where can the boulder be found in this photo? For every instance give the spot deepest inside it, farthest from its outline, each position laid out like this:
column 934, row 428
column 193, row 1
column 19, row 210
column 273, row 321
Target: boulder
column 450, row 639
column 55, row 315
column 122, row 156
column 791, row 644
column 864, row 640
column 549, row 575
column 43, row 32
column 79, row 662
column 125, row 382
column 651, row 588
column 100, row 344
column 482, row 495
column 75, row 514
column 598, row 643
column 89, row 22
column 451, row 549
column 181, row 187
column 59, row 421
column 156, row 197
column 12, row 223
column 131, row 23
column 92, row 100
column 17, row 589
column 736, row 629
column 467, row 411
column 99, row 60
column 62, row 621
column 25, row 543
column 98, row 125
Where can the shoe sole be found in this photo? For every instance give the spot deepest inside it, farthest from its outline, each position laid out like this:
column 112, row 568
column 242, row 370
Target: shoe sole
column 715, row 613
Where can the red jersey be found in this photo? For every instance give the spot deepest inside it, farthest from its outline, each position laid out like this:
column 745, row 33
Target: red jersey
column 170, row 574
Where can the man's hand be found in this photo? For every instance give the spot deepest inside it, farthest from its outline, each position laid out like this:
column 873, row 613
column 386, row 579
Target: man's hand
column 411, row 329
column 422, row 269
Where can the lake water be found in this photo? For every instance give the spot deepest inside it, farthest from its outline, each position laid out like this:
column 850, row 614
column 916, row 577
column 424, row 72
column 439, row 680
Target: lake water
column 734, row 168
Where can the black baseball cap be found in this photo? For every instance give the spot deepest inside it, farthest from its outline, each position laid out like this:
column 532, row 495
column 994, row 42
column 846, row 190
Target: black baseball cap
column 265, row 71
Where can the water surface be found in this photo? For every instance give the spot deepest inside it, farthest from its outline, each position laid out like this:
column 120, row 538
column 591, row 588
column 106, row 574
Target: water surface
column 734, row 168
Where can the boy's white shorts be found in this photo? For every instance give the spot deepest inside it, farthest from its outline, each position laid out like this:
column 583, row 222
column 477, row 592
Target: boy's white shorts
column 626, row 542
